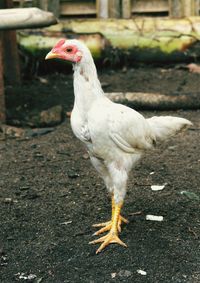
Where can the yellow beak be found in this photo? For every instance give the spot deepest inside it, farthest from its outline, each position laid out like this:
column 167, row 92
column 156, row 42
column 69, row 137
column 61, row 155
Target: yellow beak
column 51, row 55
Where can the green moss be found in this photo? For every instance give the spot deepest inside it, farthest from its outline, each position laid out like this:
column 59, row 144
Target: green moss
column 38, row 45
column 164, row 35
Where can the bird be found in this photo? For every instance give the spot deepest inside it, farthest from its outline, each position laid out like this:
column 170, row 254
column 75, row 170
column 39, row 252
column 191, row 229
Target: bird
column 115, row 136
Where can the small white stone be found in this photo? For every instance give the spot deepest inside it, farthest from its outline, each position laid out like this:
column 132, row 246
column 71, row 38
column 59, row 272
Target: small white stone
column 113, row 275
column 66, row 223
column 154, row 217
column 157, row 187
column 142, row 272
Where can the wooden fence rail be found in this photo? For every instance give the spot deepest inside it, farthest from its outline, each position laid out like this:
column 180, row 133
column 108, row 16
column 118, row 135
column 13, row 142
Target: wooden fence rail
column 115, row 8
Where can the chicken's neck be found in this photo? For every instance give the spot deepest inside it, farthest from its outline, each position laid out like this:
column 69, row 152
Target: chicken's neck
column 87, row 87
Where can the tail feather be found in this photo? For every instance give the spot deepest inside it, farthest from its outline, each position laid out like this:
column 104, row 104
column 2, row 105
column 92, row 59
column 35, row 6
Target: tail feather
column 164, row 127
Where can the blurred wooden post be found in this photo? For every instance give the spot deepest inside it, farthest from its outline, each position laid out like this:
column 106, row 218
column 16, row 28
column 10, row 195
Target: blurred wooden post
column 9, row 61
column 175, row 8
column 11, row 57
column 50, row 5
column 196, row 7
column 2, row 98
column 183, row 8
column 126, row 9
column 191, row 8
column 42, row 4
column 114, row 8
column 102, row 9
column 21, row 3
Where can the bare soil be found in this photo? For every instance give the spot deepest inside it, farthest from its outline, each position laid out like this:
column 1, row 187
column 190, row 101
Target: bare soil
column 50, row 195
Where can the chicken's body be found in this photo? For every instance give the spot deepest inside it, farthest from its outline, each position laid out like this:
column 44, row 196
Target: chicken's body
column 116, row 136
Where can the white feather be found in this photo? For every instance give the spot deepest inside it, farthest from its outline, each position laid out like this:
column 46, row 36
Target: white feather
column 164, row 127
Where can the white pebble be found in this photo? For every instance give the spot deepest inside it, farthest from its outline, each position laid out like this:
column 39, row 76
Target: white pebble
column 157, row 187
column 142, row 272
column 113, row 275
column 66, row 223
column 154, row 217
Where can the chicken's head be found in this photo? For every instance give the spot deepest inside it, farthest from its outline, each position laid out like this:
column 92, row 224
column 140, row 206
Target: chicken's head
column 69, row 50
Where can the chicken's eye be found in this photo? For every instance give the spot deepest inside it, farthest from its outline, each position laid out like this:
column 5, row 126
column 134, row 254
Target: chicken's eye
column 68, row 50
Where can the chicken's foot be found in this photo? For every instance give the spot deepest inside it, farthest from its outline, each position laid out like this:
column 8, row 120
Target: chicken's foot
column 113, row 226
column 107, row 225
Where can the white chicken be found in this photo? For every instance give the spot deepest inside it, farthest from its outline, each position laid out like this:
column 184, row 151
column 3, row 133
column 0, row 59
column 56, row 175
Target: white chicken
column 116, row 136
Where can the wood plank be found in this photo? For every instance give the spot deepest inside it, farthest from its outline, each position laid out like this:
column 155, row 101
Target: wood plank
column 150, row 6
column 190, row 8
column 21, row 18
column 126, row 9
column 175, row 8
column 114, row 9
column 102, row 9
column 183, row 8
column 77, row 8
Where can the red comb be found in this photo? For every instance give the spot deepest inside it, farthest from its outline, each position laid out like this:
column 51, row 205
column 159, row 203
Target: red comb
column 60, row 43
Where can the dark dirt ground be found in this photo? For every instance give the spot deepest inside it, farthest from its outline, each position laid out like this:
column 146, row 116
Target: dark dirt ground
column 50, row 195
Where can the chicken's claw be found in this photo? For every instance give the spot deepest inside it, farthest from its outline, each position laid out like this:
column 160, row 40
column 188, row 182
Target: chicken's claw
column 121, row 219
column 101, row 224
column 107, row 225
column 106, row 240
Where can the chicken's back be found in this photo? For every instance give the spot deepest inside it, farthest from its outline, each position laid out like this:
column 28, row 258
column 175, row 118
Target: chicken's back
column 118, row 130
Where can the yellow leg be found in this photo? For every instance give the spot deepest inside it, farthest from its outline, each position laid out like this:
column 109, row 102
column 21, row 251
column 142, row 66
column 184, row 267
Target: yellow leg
column 107, row 225
column 112, row 236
